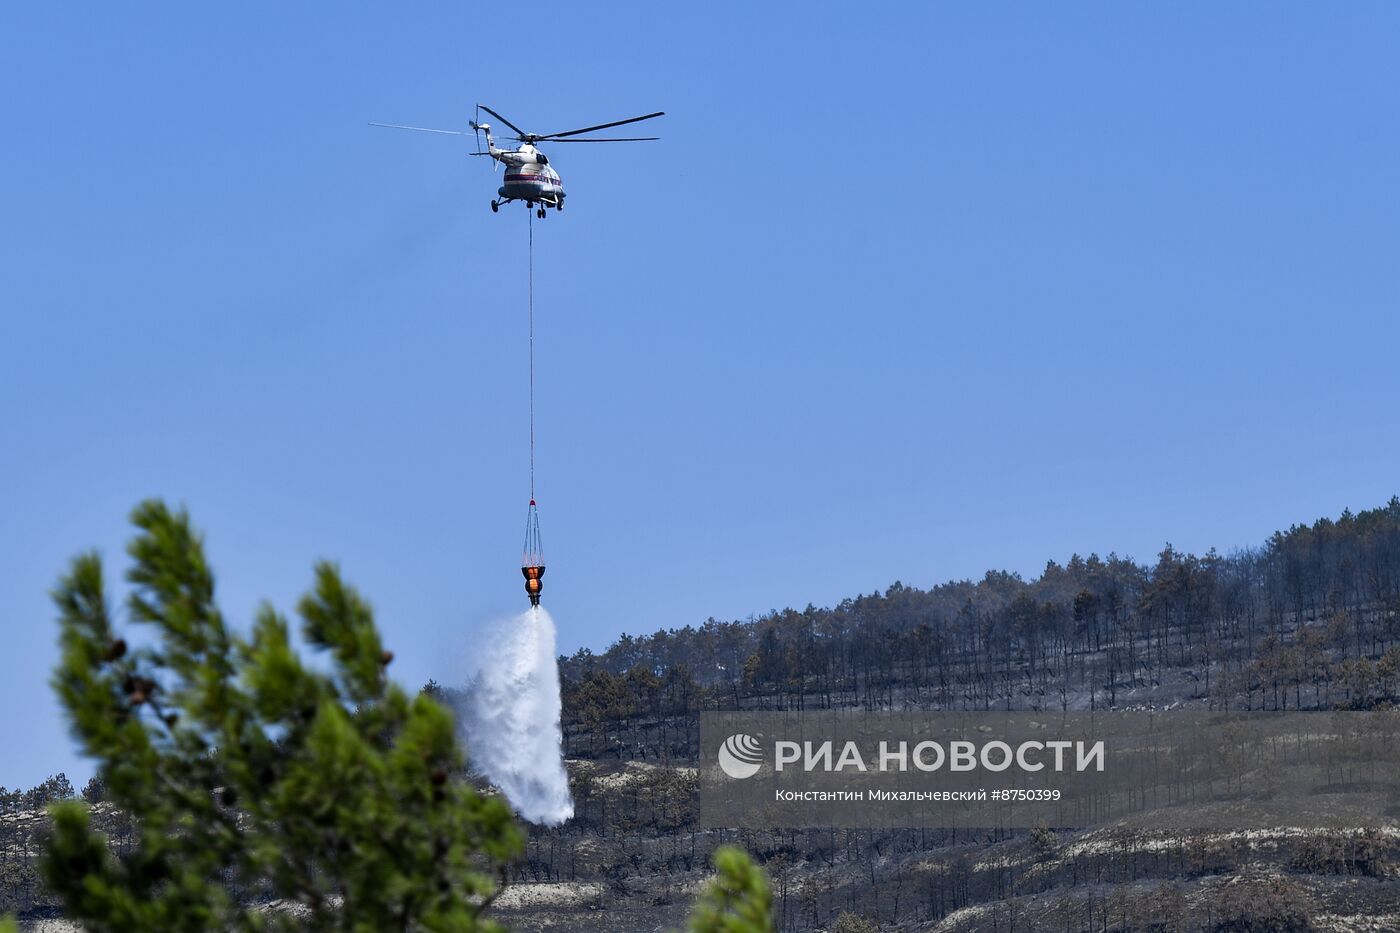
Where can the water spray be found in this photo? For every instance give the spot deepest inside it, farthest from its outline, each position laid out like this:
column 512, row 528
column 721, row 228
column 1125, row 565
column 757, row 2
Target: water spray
column 509, row 717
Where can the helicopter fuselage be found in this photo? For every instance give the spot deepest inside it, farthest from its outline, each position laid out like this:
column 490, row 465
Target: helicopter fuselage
column 529, row 178
column 531, row 183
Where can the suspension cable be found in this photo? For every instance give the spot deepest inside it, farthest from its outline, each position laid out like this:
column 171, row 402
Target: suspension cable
column 532, row 356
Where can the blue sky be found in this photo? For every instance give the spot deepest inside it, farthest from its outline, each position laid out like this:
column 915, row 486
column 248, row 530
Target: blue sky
column 905, row 292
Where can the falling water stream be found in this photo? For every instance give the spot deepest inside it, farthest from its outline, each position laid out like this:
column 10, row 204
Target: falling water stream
column 510, row 717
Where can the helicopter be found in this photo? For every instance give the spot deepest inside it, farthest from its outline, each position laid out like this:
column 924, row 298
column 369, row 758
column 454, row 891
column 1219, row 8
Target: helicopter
column 528, row 175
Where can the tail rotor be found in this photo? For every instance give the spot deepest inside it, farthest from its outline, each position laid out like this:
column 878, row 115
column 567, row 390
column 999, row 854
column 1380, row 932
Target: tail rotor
column 478, row 128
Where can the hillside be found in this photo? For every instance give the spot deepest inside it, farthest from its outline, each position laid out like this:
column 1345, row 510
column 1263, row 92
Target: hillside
column 1308, row 619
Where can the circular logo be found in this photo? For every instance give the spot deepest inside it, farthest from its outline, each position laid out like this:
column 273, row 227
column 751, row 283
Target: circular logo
column 740, row 756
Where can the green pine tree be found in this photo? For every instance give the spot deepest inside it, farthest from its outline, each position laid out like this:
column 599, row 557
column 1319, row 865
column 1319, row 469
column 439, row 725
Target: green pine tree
column 852, row 923
column 253, row 777
column 737, row 898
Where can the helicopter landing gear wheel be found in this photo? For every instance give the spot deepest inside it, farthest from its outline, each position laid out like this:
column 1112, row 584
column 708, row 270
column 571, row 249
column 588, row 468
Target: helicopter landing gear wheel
column 540, row 213
column 495, row 207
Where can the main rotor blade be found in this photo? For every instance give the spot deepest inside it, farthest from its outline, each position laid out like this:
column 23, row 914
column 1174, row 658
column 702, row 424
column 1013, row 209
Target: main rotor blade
column 421, row 129
column 606, row 139
column 600, row 126
column 493, row 113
